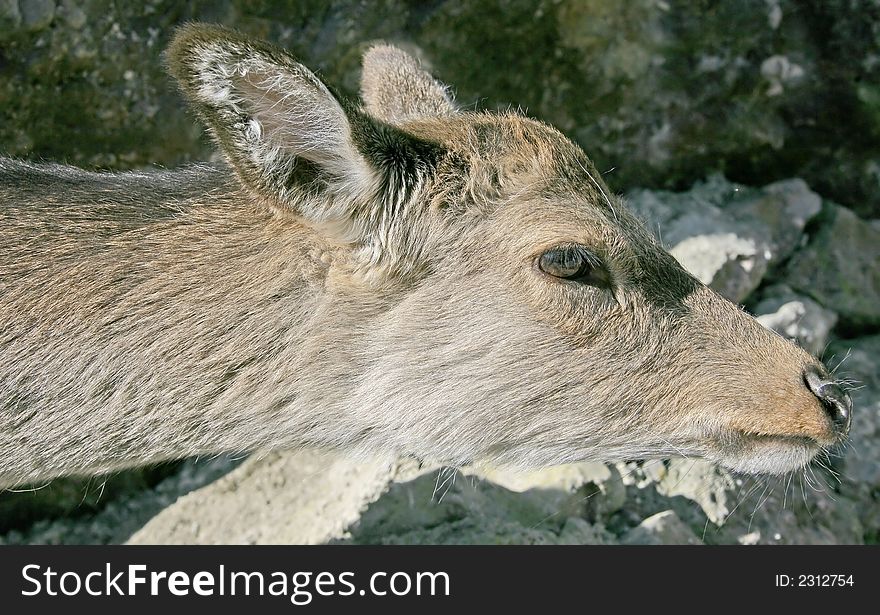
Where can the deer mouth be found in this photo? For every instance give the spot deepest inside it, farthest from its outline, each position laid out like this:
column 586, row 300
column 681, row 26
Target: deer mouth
column 757, row 453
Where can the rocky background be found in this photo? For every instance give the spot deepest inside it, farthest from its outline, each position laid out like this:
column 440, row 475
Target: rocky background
column 745, row 132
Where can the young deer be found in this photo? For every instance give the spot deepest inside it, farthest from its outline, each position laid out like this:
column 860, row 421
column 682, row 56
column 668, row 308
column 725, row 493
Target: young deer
column 399, row 276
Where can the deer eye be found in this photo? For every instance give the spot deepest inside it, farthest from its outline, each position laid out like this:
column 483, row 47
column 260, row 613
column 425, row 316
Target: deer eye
column 575, row 263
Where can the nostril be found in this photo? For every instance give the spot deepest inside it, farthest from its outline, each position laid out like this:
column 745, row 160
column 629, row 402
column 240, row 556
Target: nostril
column 836, row 402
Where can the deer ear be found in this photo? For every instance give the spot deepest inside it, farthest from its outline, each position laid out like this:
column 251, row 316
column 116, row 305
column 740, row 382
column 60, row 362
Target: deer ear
column 295, row 144
column 279, row 126
column 395, row 88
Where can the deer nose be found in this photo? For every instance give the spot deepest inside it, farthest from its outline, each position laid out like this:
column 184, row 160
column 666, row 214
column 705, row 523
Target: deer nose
column 836, row 402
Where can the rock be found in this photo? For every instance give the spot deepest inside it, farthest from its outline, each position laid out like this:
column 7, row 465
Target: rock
column 752, row 538
column 445, row 507
column 596, row 485
column 726, row 234
column 780, row 72
column 833, row 501
column 304, row 497
column 569, row 477
column 784, row 207
column 796, row 317
column 663, row 93
column 699, row 481
column 577, row 531
column 37, row 14
column 10, row 17
column 799, row 508
column 731, row 265
column 839, row 268
column 73, row 15
column 809, row 507
column 664, row 528
column 857, row 362
column 123, row 512
column 72, row 497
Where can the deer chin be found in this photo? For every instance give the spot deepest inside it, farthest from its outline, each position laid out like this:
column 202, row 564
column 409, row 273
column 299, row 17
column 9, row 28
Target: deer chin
column 751, row 453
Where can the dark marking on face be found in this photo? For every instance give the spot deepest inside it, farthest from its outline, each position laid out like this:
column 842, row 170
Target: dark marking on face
column 664, row 282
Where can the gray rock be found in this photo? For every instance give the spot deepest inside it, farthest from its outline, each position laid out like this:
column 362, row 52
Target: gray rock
column 664, row 94
column 10, row 17
column 839, row 268
column 577, row 531
column 498, row 531
column 796, row 317
column 699, row 481
column 732, row 265
column 784, row 207
column 305, row 497
column 37, row 14
column 833, row 501
column 124, row 514
column 857, row 362
column 597, row 490
column 664, row 528
column 73, row 14
column 67, row 497
column 726, row 234
column 809, row 507
column 445, row 507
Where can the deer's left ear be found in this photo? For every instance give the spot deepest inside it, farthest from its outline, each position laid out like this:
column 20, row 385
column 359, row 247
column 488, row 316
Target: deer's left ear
column 297, row 145
column 395, row 88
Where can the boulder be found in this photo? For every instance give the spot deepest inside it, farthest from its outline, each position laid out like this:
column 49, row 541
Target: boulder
column 840, row 268
column 304, row 497
column 796, row 317
column 658, row 93
column 664, row 528
column 726, row 234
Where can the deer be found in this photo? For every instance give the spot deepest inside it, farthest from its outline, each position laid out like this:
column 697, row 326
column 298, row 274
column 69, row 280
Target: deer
column 394, row 275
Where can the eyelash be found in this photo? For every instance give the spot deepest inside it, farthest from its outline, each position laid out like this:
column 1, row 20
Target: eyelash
column 587, row 267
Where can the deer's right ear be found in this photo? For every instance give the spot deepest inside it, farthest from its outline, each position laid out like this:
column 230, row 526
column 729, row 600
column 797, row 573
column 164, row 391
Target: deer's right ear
column 395, row 88
column 295, row 144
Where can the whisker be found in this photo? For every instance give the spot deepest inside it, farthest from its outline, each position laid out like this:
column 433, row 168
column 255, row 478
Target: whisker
column 28, row 489
column 785, row 492
column 846, row 356
column 761, row 500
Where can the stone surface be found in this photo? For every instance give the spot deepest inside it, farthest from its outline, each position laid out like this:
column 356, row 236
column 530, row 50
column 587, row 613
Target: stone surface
column 726, row 234
column 796, row 317
column 73, row 496
column 731, row 265
column 445, row 507
column 36, row 14
column 661, row 92
column 839, row 268
column 304, row 497
column 120, row 516
column 664, row 528
column 10, row 16
column 597, row 486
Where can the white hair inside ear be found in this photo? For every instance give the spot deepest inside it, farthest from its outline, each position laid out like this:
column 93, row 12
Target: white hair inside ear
column 395, row 88
column 271, row 115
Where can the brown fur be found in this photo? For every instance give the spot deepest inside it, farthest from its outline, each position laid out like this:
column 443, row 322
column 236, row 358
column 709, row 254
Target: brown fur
column 365, row 278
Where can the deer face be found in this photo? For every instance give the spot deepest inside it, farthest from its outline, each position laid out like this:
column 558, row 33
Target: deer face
column 497, row 302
